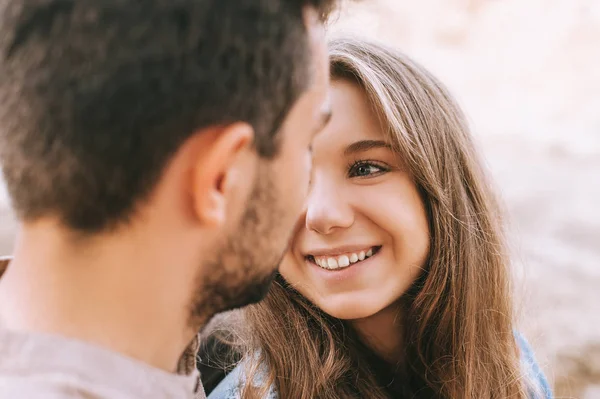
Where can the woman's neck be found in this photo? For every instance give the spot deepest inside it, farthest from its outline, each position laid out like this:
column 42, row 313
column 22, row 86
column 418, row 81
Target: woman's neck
column 382, row 332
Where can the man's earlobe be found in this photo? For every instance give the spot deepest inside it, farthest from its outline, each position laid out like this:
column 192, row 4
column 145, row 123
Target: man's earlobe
column 213, row 168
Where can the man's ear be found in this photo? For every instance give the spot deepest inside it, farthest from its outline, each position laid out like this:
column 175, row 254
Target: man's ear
column 219, row 149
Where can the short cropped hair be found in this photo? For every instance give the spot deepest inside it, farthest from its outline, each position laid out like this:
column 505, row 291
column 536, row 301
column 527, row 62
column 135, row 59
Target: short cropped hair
column 97, row 95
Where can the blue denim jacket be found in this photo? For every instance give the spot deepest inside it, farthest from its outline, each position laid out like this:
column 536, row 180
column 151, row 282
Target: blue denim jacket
column 231, row 386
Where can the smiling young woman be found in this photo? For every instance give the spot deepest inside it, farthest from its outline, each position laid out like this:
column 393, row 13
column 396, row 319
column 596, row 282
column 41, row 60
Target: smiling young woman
column 397, row 281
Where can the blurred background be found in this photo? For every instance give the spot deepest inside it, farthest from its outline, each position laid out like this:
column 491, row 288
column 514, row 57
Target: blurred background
column 527, row 73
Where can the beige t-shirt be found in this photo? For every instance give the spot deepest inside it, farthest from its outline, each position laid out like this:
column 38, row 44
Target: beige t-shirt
column 35, row 366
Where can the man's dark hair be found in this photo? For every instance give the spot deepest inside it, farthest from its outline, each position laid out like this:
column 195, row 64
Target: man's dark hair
column 97, row 95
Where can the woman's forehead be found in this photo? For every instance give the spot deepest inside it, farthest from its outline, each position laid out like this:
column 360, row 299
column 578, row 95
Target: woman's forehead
column 352, row 118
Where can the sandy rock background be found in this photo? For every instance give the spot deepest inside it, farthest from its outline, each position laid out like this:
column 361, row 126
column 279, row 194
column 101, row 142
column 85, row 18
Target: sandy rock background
column 527, row 73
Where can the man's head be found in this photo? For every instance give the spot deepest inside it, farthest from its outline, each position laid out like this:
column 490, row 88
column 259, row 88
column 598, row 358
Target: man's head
column 191, row 118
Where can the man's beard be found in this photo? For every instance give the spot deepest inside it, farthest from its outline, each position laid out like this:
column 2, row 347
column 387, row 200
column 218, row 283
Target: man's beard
column 241, row 270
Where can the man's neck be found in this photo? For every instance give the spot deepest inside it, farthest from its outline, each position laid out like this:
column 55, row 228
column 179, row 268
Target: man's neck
column 383, row 333
column 109, row 293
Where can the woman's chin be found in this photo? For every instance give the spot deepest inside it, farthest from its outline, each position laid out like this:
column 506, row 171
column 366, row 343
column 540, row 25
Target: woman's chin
column 350, row 311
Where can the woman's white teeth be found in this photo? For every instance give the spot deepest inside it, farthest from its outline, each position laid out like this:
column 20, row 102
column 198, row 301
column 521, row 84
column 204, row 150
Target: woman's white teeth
column 342, row 260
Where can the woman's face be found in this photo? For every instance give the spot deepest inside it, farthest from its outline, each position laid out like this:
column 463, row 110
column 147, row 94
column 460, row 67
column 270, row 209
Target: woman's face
column 364, row 236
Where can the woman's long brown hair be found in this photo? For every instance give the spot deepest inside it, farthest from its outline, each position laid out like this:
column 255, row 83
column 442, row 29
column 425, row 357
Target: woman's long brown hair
column 458, row 328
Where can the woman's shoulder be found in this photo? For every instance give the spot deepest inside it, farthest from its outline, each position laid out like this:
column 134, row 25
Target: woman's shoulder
column 540, row 389
column 232, row 385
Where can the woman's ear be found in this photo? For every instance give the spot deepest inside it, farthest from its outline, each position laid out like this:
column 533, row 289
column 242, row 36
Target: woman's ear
column 213, row 168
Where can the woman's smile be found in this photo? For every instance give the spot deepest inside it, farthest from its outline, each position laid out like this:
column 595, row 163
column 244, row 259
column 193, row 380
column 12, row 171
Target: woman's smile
column 365, row 234
column 340, row 259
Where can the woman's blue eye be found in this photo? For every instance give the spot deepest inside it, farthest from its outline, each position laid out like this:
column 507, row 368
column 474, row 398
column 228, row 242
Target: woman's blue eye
column 365, row 169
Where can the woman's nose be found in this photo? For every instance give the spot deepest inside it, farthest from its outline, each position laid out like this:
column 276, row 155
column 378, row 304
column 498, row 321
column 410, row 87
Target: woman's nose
column 327, row 209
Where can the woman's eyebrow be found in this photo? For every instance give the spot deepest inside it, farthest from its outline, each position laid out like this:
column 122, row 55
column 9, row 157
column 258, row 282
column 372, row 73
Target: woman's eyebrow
column 365, row 145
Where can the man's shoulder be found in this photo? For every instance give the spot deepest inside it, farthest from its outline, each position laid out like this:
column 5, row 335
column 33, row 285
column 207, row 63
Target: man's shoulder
column 49, row 388
column 67, row 368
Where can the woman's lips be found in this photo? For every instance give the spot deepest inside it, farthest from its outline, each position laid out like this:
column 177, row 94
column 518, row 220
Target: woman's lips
column 341, row 261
